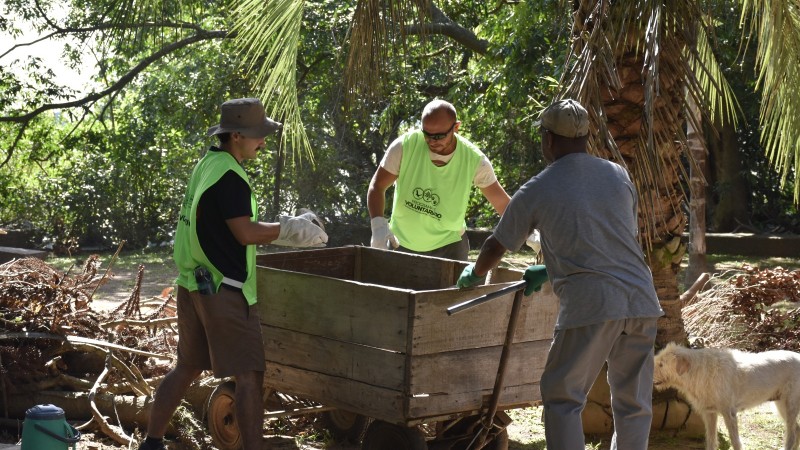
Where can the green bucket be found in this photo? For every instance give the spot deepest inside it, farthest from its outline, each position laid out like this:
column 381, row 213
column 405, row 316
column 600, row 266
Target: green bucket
column 45, row 428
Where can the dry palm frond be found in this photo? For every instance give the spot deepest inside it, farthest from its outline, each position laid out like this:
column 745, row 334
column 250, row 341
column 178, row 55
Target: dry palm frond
column 712, row 318
column 753, row 310
column 378, row 27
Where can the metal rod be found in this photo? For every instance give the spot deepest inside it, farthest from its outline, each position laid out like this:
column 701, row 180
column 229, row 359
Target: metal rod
column 485, row 298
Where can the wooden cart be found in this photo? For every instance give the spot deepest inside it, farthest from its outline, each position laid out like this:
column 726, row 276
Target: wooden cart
column 366, row 331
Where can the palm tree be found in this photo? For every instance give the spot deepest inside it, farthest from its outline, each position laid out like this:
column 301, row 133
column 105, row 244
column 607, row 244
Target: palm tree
column 639, row 66
column 635, row 65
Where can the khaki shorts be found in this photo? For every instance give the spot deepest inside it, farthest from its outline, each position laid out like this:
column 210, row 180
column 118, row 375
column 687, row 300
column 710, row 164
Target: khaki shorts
column 220, row 332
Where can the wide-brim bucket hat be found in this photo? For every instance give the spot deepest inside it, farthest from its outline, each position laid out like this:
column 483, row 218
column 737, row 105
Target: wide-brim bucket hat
column 245, row 116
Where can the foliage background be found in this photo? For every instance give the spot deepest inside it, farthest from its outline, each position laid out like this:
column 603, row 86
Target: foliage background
column 116, row 170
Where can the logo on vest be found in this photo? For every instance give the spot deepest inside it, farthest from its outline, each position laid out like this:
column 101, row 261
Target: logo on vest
column 426, row 195
column 185, row 208
column 425, row 202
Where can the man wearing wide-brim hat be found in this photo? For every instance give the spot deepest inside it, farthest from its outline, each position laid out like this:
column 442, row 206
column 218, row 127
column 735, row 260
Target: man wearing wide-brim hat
column 218, row 324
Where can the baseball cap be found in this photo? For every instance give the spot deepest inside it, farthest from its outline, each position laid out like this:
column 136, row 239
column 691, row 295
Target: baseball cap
column 245, row 116
column 565, row 118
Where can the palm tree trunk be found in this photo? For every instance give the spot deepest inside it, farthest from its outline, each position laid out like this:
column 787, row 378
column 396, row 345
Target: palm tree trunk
column 661, row 220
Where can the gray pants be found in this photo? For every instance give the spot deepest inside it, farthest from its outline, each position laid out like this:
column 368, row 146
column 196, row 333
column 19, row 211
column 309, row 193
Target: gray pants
column 457, row 250
column 576, row 358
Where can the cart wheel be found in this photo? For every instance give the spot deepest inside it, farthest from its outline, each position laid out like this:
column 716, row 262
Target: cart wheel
column 221, row 417
column 344, row 426
column 382, row 435
column 468, row 427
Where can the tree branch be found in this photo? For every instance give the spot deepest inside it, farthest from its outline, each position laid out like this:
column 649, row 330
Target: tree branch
column 443, row 25
column 105, row 26
column 123, row 81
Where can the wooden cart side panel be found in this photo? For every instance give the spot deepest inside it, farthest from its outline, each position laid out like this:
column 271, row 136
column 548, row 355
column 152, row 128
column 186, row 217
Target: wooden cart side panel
column 337, row 309
column 329, row 262
column 342, row 393
column 360, row 363
column 424, row 409
column 408, row 271
column 482, row 326
column 475, row 369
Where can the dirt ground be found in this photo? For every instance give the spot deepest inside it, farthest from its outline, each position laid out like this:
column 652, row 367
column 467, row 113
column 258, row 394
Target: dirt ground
column 759, row 427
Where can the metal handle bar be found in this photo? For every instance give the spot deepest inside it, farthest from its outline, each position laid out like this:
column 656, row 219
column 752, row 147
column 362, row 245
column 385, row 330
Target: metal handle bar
column 485, row 298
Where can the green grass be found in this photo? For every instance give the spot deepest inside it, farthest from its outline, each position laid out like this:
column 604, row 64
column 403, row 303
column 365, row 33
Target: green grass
column 126, row 260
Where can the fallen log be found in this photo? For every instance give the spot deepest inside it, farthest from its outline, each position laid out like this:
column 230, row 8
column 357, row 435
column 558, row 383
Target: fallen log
column 81, row 340
column 131, row 411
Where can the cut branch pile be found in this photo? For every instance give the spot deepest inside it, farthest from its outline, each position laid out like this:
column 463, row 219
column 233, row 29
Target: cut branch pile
column 754, row 310
column 52, row 340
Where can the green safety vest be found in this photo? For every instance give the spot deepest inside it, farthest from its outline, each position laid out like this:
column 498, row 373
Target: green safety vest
column 430, row 201
column 188, row 253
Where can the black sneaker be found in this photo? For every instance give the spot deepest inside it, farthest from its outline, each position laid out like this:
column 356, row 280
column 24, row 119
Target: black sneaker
column 152, row 445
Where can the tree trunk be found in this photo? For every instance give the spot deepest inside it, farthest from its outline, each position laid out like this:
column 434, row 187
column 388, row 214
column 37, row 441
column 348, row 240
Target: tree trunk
column 276, row 193
column 697, row 204
column 131, row 411
column 661, row 220
column 730, row 192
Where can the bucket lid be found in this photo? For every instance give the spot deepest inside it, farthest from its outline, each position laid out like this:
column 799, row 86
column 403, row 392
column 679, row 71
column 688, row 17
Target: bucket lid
column 44, row 412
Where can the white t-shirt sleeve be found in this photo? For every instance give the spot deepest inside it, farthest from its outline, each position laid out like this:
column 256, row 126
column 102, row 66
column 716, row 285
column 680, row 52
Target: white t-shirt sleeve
column 484, row 174
column 393, row 156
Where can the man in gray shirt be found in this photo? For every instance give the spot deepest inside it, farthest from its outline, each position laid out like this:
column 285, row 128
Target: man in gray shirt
column 585, row 208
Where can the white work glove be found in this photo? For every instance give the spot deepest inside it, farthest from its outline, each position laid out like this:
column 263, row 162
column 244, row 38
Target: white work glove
column 382, row 237
column 300, row 231
column 534, row 241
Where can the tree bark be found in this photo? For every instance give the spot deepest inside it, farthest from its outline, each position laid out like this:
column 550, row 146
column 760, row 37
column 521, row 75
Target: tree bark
column 277, row 186
column 697, row 203
column 730, row 191
column 131, row 411
column 662, row 223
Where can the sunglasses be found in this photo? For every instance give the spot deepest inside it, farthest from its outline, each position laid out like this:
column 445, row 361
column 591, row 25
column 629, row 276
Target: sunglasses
column 438, row 136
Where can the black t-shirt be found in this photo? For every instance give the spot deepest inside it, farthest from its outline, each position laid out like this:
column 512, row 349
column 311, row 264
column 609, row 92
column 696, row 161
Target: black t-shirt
column 228, row 198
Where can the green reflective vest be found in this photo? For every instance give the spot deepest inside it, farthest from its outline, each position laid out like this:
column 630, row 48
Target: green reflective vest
column 188, row 253
column 430, row 201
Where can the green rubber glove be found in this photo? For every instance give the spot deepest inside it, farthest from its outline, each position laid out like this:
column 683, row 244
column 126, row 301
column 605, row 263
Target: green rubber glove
column 535, row 276
column 468, row 278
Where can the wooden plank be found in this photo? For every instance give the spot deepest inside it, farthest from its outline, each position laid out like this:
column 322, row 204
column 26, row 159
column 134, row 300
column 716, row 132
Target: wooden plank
column 337, row 309
column 336, row 262
column 482, row 326
column 406, row 270
column 361, row 363
column 476, row 369
column 371, row 401
column 424, row 409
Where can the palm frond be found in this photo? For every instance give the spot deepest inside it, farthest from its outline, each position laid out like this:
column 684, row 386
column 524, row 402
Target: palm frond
column 378, row 28
column 708, row 81
column 151, row 21
column 776, row 24
column 268, row 38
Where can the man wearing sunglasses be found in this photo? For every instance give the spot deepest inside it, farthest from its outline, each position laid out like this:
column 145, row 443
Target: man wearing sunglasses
column 433, row 170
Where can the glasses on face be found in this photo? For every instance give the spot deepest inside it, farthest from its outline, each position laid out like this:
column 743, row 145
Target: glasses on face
column 438, row 136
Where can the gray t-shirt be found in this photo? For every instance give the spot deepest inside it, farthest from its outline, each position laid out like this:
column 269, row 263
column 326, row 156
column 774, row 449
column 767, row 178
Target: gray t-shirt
column 585, row 209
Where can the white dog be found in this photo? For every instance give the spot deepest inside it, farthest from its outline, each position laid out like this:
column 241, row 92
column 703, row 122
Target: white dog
column 724, row 381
